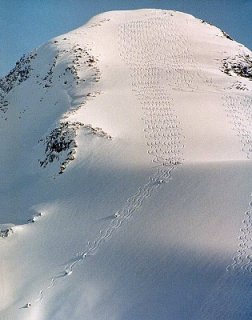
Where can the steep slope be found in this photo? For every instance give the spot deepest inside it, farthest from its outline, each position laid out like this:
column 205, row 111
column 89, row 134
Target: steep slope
column 126, row 173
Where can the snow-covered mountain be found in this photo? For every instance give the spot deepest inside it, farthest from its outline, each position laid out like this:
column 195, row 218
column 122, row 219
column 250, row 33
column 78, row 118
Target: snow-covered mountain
column 126, row 178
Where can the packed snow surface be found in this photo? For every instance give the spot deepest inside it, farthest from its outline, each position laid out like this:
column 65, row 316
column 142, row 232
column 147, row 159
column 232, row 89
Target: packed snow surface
column 126, row 178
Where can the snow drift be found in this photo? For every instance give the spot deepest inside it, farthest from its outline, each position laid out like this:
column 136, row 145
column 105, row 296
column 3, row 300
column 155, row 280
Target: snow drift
column 126, row 173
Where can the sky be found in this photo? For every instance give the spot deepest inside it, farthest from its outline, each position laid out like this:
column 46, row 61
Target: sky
column 26, row 24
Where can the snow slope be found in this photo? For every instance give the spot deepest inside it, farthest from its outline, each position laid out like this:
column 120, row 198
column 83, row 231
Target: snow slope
column 126, row 173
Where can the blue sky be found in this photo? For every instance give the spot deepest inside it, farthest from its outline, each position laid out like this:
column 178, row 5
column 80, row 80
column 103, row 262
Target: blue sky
column 26, row 24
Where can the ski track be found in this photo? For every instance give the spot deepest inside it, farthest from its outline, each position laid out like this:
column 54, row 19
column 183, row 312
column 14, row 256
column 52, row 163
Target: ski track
column 238, row 273
column 242, row 259
column 239, row 110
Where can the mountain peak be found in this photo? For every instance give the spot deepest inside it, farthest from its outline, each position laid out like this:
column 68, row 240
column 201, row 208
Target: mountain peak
column 123, row 141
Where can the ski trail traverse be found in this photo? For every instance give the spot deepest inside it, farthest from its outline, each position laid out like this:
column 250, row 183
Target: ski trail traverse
column 238, row 275
column 133, row 204
column 239, row 110
column 239, row 271
column 242, row 259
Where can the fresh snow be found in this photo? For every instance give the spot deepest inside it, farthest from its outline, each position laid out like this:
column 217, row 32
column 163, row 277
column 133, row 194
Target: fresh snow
column 126, row 173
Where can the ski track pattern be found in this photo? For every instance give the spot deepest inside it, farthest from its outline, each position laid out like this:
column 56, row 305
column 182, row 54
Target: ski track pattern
column 239, row 110
column 242, row 260
column 161, row 126
column 224, row 300
column 230, row 305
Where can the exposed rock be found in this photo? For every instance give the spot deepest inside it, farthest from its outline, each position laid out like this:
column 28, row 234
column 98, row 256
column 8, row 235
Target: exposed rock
column 240, row 65
column 61, row 139
column 18, row 74
column 4, row 233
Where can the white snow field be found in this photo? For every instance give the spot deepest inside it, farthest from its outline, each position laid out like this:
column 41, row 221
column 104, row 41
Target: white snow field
column 126, row 174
